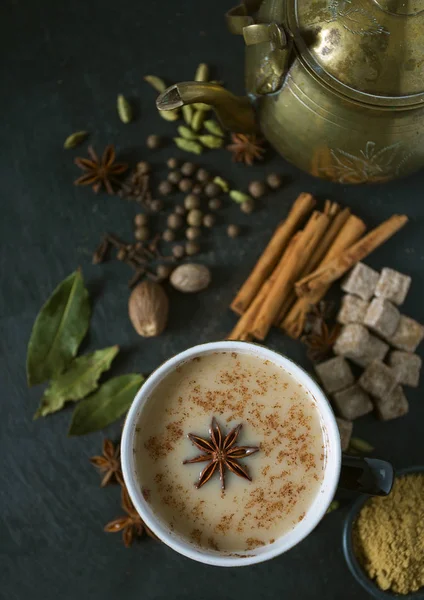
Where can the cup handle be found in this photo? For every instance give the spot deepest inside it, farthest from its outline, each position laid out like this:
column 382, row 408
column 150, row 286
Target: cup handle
column 366, row 475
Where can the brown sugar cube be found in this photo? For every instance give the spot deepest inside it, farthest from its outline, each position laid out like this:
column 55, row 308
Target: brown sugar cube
column 376, row 350
column 406, row 367
column 392, row 406
column 378, row 379
column 352, row 403
column 382, row 317
column 352, row 310
column 352, row 341
column 408, row 335
column 393, row 286
column 345, row 430
column 335, row 374
column 361, row 281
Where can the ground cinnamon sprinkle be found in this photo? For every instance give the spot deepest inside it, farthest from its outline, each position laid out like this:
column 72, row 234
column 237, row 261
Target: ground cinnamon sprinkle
column 388, row 536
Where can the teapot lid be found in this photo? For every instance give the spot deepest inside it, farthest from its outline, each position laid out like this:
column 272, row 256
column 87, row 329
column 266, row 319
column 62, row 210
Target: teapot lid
column 369, row 50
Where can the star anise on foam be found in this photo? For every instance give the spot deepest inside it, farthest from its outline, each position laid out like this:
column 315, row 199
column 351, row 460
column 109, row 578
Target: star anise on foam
column 109, row 463
column 100, row 172
column 220, row 453
column 130, row 524
column 246, row 148
column 320, row 343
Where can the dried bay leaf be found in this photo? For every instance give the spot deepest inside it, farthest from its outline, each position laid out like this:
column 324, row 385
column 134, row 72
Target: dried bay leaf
column 107, row 404
column 58, row 330
column 80, row 379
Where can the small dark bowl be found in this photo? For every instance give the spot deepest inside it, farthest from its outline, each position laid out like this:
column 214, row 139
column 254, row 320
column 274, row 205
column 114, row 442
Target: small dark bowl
column 353, row 563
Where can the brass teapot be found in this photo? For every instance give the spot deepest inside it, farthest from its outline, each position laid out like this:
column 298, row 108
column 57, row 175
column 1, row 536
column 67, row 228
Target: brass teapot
column 337, row 86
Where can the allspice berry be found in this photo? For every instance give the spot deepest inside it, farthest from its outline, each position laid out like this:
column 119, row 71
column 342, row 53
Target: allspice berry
column 257, row 189
column 233, row 231
column 179, row 210
column 193, row 233
column 248, row 206
column 163, row 271
column 195, row 217
column 142, row 234
column 209, row 220
column 168, row 235
column 197, row 188
column 215, row 203
column 175, row 221
column 274, row 181
column 153, row 142
column 172, row 163
column 202, row 175
column 156, row 205
column 185, row 185
column 148, row 308
column 121, row 254
column 174, row 177
column 140, row 220
column 165, row 188
column 191, row 201
column 178, row 251
column 143, row 167
column 188, row 169
column 192, row 248
column 212, row 190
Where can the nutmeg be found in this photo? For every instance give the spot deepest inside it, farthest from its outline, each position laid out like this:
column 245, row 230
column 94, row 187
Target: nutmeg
column 148, row 308
column 190, row 278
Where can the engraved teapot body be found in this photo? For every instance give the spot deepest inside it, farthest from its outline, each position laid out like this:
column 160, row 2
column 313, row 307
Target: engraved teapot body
column 334, row 85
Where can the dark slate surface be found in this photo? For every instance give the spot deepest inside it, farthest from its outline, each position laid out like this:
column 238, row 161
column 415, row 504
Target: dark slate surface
column 63, row 65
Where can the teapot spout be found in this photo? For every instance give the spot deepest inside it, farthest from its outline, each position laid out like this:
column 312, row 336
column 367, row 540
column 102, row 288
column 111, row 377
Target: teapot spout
column 234, row 112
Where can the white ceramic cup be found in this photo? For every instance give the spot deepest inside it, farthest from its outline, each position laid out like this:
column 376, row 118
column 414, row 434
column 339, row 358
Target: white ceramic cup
column 316, row 510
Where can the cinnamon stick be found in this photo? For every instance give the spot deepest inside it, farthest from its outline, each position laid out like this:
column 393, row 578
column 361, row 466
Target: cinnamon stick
column 242, row 329
column 272, row 253
column 349, row 257
column 293, row 324
column 288, row 271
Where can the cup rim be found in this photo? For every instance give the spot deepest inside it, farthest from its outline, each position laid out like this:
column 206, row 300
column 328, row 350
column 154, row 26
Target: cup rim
column 320, row 502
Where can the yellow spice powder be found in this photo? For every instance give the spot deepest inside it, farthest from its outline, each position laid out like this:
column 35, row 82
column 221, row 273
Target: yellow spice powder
column 388, row 536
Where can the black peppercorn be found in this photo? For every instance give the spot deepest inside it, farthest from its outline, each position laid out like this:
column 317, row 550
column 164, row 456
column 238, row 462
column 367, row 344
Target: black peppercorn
column 143, row 167
column 214, row 203
column 247, row 206
column 185, row 185
column 191, row 201
column 257, row 189
column 140, row 220
column 209, row 220
column 175, row 221
column 202, row 175
column 165, row 188
column 194, row 217
column 179, row 210
column 172, row 163
column 168, row 235
column 274, row 181
column 233, row 231
column 212, row 190
column 193, row 233
column 178, row 251
column 142, row 234
column 153, row 142
column 156, row 205
column 188, row 169
column 163, row 271
column 192, row 248
column 197, row 189
column 174, row 177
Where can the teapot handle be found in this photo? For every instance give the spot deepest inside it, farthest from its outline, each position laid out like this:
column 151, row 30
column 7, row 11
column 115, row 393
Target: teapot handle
column 366, row 475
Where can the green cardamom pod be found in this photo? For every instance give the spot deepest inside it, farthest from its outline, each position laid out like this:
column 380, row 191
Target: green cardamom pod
column 202, row 106
column 187, row 111
column 124, row 109
column 202, row 72
column 156, row 82
column 360, row 445
column 75, row 139
column 222, row 184
column 334, row 505
column 197, row 120
column 188, row 145
column 186, row 133
column 213, row 127
column 170, row 115
column 211, row 141
column 239, row 196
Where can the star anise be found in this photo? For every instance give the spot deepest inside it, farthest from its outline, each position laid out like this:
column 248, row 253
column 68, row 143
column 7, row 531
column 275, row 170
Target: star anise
column 246, row 148
column 320, row 343
column 109, row 463
column 130, row 524
column 317, row 314
column 100, row 172
column 220, row 453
